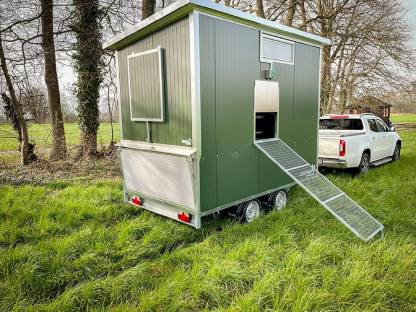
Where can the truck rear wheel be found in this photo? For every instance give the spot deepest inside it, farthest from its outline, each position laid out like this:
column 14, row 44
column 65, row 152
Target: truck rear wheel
column 364, row 163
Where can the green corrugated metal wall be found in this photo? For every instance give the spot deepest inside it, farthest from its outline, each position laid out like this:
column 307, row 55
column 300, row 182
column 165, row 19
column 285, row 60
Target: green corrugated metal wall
column 178, row 121
column 305, row 101
column 208, row 160
column 237, row 163
column 231, row 167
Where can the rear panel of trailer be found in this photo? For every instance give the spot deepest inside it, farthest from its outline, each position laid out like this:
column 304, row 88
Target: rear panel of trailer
column 162, row 173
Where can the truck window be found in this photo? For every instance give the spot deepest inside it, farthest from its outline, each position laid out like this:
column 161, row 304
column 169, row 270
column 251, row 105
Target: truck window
column 341, row 124
column 372, row 123
column 381, row 126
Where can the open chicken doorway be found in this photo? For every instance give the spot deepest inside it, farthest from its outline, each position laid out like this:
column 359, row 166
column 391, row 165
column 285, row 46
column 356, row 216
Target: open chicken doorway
column 266, row 109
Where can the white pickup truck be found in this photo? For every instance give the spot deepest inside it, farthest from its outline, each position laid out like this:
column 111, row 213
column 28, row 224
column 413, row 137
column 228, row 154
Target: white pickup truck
column 356, row 141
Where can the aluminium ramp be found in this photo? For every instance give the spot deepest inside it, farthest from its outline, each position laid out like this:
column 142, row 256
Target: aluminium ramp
column 359, row 221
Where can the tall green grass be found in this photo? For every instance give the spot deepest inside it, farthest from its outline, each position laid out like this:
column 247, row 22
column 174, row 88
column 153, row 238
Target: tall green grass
column 399, row 118
column 41, row 135
column 72, row 246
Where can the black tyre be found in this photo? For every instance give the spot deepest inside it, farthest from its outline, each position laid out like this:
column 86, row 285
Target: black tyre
column 364, row 164
column 277, row 200
column 249, row 210
column 396, row 153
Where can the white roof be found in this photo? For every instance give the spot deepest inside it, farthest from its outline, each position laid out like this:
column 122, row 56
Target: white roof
column 189, row 5
column 348, row 116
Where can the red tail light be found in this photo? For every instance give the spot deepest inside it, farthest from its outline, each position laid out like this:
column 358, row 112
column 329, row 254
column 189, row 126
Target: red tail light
column 341, row 148
column 185, row 217
column 137, row 201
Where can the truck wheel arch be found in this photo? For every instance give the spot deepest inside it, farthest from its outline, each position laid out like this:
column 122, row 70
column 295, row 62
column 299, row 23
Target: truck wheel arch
column 367, row 151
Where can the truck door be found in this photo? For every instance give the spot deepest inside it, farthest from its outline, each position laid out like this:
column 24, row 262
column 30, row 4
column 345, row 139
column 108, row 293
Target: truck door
column 376, row 140
column 386, row 139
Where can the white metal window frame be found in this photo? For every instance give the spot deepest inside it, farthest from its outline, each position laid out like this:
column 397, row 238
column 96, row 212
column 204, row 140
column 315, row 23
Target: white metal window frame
column 162, row 93
column 278, row 39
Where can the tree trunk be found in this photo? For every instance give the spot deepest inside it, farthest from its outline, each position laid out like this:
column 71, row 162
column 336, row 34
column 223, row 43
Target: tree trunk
column 325, row 78
column 88, row 65
column 304, row 25
column 24, row 146
column 342, row 96
column 290, row 13
column 59, row 150
column 148, row 8
column 325, row 61
column 260, row 9
column 110, row 113
column 89, row 144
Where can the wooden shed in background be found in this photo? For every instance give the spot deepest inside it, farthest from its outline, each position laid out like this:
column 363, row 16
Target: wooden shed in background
column 370, row 104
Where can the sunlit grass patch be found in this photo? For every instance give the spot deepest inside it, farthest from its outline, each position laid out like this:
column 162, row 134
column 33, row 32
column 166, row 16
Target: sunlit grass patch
column 403, row 118
column 41, row 135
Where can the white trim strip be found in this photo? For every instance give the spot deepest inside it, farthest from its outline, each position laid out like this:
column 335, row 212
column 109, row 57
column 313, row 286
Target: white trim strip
column 195, row 99
column 158, row 148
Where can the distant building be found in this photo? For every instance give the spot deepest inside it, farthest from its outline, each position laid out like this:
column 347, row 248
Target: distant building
column 370, row 104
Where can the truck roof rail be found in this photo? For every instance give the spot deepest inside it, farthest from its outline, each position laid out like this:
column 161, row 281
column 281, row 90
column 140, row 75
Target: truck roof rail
column 367, row 114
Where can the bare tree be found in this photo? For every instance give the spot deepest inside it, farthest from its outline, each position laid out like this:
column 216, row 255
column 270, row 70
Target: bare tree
column 369, row 49
column 34, row 103
column 288, row 20
column 25, row 159
column 59, row 150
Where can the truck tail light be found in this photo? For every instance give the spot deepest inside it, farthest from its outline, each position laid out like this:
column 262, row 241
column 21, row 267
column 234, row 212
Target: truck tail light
column 341, row 148
column 185, row 217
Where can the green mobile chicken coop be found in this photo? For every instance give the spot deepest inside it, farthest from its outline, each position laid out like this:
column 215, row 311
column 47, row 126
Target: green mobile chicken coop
column 220, row 109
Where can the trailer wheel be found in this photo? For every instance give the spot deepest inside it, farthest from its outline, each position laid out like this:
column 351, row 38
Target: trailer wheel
column 249, row 210
column 277, row 200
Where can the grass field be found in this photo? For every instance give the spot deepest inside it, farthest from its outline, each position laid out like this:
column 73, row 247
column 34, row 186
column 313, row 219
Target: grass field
column 41, row 135
column 71, row 246
column 403, row 118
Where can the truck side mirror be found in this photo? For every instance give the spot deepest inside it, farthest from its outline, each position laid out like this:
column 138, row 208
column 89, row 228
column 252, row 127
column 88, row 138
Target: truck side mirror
column 392, row 129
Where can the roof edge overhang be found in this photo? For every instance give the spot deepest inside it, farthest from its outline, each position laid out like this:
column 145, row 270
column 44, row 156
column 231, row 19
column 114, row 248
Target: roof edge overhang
column 182, row 8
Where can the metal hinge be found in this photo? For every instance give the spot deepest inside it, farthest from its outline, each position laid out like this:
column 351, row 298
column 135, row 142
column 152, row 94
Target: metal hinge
column 187, row 142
